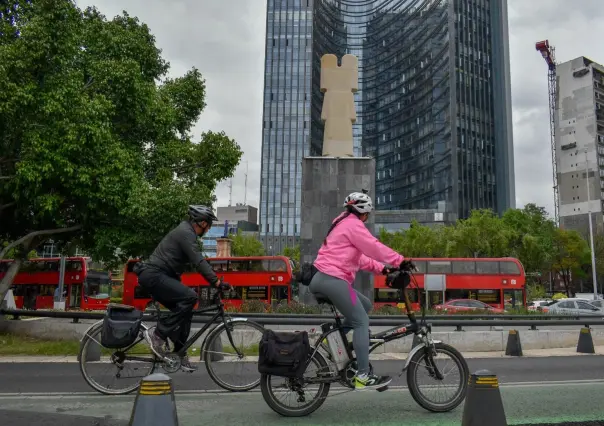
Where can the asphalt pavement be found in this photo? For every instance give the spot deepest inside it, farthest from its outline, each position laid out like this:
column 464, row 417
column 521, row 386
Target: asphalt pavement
column 545, row 390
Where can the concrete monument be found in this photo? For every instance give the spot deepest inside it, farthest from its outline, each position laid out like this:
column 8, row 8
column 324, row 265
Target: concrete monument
column 328, row 179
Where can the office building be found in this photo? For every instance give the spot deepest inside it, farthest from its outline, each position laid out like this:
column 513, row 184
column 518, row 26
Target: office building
column 580, row 128
column 231, row 220
column 433, row 105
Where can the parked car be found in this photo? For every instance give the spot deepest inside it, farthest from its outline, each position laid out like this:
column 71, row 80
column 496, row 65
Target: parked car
column 464, row 305
column 572, row 306
column 535, row 305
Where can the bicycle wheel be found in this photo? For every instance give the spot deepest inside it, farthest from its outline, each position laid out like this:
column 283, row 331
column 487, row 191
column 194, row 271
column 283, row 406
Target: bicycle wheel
column 430, row 359
column 222, row 349
column 318, row 367
column 95, row 359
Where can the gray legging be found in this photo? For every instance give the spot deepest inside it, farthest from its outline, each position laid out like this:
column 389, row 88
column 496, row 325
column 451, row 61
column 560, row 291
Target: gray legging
column 353, row 305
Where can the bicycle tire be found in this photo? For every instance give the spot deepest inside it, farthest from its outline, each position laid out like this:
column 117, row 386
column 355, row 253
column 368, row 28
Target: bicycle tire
column 279, row 408
column 414, row 390
column 86, row 343
column 215, row 334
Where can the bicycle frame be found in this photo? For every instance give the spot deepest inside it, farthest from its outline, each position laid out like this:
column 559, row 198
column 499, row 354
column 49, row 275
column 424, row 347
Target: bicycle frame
column 422, row 330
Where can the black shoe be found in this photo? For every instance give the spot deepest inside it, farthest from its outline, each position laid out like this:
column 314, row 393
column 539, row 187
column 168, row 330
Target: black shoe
column 371, row 381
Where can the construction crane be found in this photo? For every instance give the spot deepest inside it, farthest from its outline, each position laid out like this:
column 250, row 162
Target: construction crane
column 547, row 52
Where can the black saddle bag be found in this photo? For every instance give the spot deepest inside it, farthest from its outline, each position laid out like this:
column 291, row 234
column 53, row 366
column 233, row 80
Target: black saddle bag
column 283, row 354
column 121, row 326
column 306, row 273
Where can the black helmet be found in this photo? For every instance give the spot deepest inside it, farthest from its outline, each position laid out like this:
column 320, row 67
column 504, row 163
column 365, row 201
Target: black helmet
column 199, row 213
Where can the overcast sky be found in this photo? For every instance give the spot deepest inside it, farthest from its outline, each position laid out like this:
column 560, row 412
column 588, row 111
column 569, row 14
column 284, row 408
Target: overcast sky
column 225, row 40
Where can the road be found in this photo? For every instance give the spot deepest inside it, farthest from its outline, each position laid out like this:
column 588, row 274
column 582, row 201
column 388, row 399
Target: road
column 534, row 391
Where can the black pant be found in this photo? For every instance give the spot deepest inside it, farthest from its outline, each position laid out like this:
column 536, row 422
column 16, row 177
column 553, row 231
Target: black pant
column 175, row 296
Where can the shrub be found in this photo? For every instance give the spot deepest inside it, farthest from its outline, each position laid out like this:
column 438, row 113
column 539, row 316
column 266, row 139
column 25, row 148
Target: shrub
column 296, row 308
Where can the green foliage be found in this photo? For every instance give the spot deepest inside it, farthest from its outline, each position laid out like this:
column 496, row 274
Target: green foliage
column 571, row 251
column 296, row 308
column 293, row 253
column 535, row 292
column 12, row 253
column 94, row 136
column 559, row 296
column 246, row 245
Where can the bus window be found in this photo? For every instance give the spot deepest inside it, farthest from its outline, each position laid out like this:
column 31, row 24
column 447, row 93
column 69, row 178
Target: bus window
column 259, row 265
column 219, row 265
column 278, row 265
column 439, row 267
column 487, row 296
column 487, row 268
column 508, row 267
column 73, row 266
column 464, row 267
column 239, row 265
column 387, row 295
column 421, row 266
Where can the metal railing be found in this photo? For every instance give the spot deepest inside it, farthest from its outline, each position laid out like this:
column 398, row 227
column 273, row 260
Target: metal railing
column 457, row 321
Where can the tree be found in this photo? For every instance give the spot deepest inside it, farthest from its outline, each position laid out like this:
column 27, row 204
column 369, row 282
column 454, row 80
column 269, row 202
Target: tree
column 294, row 254
column 480, row 235
column 570, row 253
column 95, row 147
column 531, row 237
column 246, row 245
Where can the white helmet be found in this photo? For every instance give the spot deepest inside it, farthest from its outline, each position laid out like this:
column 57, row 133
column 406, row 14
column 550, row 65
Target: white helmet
column 360, row 202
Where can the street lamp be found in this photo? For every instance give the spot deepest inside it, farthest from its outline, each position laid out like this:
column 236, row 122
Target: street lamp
column 591, row 235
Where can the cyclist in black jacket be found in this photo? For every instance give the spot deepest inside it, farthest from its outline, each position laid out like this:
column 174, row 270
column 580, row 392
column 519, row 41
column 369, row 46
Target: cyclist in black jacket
column 160, row 276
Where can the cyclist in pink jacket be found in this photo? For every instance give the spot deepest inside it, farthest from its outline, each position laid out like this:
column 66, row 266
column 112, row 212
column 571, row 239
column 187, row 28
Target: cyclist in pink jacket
column 347, row 248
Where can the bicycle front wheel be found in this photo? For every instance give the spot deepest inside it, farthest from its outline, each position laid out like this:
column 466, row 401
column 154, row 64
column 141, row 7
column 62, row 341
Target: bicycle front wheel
column 231, row 355
column 450, row 363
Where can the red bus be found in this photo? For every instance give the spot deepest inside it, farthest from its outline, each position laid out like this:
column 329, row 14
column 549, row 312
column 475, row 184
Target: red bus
column 499, row 282
column 265, row 278
column 85, row 285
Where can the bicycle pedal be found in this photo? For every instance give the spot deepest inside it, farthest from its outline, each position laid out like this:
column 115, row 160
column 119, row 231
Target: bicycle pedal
column 385, row 388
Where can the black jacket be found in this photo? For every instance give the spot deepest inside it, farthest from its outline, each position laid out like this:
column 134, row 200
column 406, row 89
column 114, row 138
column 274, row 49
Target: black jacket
column 177, row 249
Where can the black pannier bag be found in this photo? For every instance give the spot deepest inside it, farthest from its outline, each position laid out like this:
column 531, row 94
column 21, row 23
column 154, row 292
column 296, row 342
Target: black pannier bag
column 283, row 353
column 121, row 326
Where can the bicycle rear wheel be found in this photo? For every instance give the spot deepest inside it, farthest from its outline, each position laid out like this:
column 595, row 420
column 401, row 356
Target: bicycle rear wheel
column 423, row 361
column 231, row 354
column 114, row 371
column 297, row 389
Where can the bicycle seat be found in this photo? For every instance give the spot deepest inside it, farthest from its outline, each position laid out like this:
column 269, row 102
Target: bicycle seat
column 321, row 299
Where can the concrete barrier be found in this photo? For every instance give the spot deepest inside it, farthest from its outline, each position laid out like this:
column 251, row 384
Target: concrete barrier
column 469, row 341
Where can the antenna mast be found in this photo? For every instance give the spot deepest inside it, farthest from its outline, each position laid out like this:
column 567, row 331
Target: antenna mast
column 245, row 187
column 230, row 191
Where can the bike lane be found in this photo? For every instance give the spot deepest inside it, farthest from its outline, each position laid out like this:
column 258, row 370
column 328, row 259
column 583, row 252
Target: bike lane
column 526, row 403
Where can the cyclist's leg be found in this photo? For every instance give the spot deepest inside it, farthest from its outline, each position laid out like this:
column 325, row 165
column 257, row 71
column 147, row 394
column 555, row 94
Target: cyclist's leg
column 366, row 305
column 179, row 299
column 345, row 299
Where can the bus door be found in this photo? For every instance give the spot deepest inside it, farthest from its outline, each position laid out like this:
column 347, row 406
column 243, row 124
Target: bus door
column 278, row 293
column 74, row 296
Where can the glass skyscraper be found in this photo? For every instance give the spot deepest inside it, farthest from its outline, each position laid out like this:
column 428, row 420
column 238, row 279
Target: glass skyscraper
column 433, row 104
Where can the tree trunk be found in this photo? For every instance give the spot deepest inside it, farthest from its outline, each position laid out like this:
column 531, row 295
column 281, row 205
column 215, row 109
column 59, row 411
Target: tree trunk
column 7, row 280
column 30, row 237
column 13, row 270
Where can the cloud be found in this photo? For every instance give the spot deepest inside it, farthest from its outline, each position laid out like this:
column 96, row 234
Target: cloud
column 225, row 40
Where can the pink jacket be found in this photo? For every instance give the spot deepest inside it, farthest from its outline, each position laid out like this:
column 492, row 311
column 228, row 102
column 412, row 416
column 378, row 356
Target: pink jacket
column 350, row 247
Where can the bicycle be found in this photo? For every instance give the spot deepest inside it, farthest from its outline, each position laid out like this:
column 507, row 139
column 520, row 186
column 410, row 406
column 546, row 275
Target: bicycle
column 342, row 364
column 171, row 362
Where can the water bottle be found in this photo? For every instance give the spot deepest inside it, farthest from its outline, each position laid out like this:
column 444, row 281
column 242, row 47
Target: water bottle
column 336, row 346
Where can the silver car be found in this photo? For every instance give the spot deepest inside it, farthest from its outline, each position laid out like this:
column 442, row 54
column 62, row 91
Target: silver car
column 573, row 306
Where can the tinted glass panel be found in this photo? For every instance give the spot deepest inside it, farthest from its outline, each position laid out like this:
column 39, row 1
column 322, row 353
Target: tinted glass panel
column 463, row 267
column 487, row 268
column 439, row 267
column 508, row 267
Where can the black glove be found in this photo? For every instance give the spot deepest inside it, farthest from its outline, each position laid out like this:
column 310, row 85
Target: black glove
column 407, row 265
column 387, row 270
column 224, row 286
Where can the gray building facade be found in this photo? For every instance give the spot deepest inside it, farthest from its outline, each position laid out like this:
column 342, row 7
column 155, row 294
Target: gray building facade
column 433, row 106
column 579, row 138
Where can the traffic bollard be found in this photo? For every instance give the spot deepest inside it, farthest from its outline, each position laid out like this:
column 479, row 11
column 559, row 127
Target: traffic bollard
column 483, row 405
column 514, row 347
column 154, row 404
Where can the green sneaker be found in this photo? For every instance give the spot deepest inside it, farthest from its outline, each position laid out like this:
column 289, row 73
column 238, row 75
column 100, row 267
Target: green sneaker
column 371, row 381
